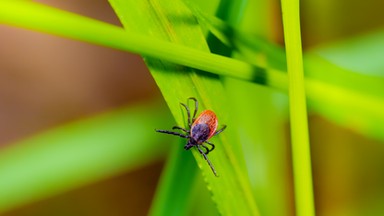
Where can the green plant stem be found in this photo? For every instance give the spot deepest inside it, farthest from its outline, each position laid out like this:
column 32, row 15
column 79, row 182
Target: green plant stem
column 298, row 111
column 54, row 21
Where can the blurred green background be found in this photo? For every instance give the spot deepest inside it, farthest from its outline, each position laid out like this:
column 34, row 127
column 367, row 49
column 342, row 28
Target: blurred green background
column 48, row 81
column 84, row 93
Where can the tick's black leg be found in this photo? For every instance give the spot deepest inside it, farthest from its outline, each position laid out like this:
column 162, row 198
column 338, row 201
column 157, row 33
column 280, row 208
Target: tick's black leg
column 188, row 114
column 173, row 133
column 211, row 144
column 180, row 128
column 206, row 149
column 219, row 131
column 196, row 108
column 206, row 158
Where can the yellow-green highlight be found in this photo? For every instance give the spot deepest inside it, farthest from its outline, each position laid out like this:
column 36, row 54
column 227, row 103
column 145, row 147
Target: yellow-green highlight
column 301, row 155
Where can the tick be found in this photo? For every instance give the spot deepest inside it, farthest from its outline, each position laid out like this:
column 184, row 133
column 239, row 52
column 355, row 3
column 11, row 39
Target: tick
column 199, row 131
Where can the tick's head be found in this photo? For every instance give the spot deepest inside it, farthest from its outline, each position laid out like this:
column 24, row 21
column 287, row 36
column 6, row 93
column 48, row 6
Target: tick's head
column 191, row 142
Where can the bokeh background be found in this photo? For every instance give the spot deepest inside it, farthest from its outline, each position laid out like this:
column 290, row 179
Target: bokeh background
column 47, row 81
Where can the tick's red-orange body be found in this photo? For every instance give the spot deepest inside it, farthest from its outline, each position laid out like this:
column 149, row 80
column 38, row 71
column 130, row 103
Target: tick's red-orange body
column 208, row 118
column 199, row 131
column 203, row 128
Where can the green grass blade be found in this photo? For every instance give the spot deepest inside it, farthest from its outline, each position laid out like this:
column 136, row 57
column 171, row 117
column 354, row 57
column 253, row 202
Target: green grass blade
column 352, row 94
column 54, row 21
column 362, row 54
column 78, row 153
column 171, row 20
column 173, row 196
column 347, row 62
column 301, row 155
